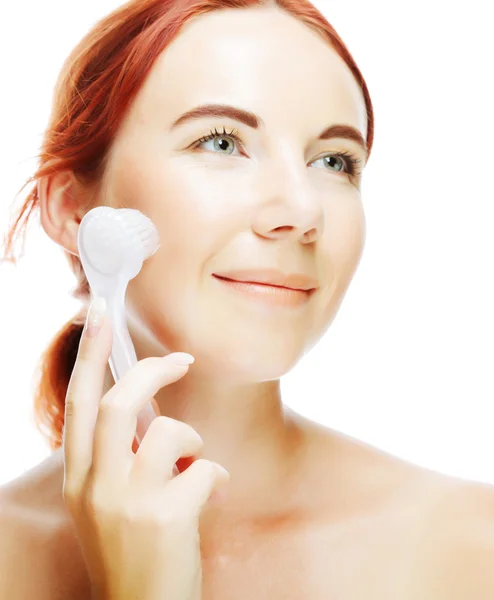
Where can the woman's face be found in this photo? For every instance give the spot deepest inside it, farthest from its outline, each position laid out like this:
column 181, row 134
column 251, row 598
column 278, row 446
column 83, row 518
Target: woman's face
column 275, row 198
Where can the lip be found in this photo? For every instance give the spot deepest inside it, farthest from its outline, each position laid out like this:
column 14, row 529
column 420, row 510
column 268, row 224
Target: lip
column 266, row 294
column 272, row 278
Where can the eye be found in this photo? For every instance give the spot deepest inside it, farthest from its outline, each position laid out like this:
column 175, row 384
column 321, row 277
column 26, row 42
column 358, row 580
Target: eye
column 346, row 158
column 223, row 142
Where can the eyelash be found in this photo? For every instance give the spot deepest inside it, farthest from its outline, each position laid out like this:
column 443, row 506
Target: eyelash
column 349, row 159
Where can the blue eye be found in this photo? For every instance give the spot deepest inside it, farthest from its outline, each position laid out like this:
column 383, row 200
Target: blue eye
column 348, row 160
column 216, row 135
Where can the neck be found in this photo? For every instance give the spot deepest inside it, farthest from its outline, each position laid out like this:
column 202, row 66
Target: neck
column 247, row 430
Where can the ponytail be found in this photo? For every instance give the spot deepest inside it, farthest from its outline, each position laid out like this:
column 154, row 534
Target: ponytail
column 53, row 375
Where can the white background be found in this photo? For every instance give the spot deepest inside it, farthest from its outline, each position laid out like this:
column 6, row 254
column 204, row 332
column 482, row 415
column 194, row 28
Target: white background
column 408, row 363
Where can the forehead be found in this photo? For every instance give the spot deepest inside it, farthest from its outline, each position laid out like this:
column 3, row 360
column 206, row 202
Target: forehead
column 260, row 59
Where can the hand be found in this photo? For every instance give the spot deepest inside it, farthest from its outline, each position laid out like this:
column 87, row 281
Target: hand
column 137, row 524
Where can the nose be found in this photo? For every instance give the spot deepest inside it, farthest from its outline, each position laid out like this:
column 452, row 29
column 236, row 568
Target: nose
column 290, row 208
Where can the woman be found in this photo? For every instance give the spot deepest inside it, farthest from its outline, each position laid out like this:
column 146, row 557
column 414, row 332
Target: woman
column 241, row 128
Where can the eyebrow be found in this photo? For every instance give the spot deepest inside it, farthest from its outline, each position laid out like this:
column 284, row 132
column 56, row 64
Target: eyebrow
column 252, row 120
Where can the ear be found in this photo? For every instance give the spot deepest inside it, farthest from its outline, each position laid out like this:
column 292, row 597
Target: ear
column 61, row 208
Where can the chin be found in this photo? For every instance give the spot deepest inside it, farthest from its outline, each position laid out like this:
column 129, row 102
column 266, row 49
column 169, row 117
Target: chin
column 239, row 366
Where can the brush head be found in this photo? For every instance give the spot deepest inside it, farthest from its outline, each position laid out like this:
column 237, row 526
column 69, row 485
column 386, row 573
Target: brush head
column 115, row 239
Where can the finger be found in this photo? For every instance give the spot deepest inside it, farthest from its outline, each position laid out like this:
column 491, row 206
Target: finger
column 117, row 416
column 143, row 424
column 193, row 488
column 84, row 393
column 165, row 442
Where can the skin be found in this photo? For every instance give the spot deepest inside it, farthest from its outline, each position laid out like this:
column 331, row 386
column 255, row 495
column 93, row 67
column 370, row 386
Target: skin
column 268, row 202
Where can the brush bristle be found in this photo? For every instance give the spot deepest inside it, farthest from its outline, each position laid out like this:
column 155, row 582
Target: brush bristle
column 110, row 238
column 141, row 228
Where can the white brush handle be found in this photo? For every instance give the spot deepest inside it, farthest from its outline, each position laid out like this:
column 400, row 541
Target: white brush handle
column 123, row 356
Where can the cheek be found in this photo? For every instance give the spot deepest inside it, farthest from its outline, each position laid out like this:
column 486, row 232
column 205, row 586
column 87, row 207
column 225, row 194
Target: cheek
column 189, row 203
column 206, row 192
column 344, row 235
column 191, row 199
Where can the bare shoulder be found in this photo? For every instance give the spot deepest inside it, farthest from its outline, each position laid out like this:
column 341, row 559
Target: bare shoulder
column 455, row 551
column 441, row 527
column 24, row 552
column 38, row 557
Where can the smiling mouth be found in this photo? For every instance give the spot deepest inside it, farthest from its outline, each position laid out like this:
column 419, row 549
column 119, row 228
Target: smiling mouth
column 268, row 294
column 267, row 285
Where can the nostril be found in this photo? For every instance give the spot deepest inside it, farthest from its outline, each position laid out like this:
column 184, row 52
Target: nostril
column 283, row 228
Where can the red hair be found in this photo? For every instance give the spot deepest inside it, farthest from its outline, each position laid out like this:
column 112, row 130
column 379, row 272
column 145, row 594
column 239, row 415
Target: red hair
column 95, row 87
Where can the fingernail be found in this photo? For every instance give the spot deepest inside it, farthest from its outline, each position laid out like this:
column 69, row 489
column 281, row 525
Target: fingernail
column 222, row 470
column 95, row 316
column 180, row 358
